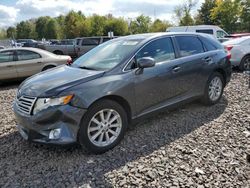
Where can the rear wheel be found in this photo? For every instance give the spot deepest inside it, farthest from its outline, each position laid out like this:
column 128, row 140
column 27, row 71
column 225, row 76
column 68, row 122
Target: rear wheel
column 214, row 89
column 103, row 126
column 245, row 64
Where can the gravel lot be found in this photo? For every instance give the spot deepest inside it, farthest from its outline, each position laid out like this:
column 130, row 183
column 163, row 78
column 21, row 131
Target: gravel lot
column 194, row 146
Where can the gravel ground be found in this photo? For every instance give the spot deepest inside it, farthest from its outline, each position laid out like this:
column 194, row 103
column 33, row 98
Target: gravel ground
column 193, row 146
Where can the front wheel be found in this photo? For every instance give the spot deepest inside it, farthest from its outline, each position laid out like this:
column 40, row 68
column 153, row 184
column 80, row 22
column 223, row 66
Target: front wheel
column 245, row 64
column 103, row 126
column 214, row 89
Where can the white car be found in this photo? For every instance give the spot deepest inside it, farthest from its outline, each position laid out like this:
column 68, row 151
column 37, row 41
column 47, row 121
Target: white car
column 23, row 62
column 240, row 52
column 213, row 30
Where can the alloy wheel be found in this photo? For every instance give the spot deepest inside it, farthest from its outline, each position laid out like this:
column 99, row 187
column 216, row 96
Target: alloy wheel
column 104, row 127
column 215, row 88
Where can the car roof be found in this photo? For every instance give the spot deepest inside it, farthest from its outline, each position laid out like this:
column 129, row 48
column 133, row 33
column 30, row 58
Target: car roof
column 37, row 50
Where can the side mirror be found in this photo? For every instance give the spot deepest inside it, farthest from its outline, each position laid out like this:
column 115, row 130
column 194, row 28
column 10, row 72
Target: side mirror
column 146, row 62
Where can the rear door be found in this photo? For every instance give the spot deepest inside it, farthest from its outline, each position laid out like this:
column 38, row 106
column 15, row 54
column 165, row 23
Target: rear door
column 187, row 69
column 28, row 63
column 7, row 65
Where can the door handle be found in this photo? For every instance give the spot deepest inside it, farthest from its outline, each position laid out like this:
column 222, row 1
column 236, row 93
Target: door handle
column 176, row 69
column 9, row 66
column 39, row 62
column 207, row 59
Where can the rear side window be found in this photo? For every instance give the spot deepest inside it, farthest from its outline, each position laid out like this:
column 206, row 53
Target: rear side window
column 160, row 50
column 90, row 41
column 27, row 55
column 189, row 45
column 208, row 45
column 207, row 31
column 6, row 56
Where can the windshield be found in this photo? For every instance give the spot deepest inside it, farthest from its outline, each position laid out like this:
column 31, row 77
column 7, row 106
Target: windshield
column 107, row 55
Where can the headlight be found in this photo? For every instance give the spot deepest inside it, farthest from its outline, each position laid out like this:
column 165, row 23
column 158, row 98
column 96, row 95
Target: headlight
column 43, row 103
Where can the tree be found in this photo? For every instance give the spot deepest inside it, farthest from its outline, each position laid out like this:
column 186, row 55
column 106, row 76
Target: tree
column 98, row 24
column 183, row 12
column 41, row 26
column 73, row 20
column 11, row 32
column 226, row 14
column 117, row 25
column 26, row 29
column 52, row 31
column 159, row 26
column 140, row 24
column 245, row 15
column 3, row 34
column 204, row 13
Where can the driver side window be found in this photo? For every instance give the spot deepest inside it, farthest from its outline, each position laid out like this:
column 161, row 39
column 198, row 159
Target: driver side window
column 160, row 50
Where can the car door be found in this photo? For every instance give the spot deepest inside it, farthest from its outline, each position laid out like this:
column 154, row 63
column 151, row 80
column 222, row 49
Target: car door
column 188, row 68
column 150, row 82
column 28, row 63
column 88, row 44
column 7, row 65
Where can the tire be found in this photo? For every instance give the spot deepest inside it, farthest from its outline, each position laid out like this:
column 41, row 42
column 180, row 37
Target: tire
column 245, row 63
column 58, row 52
column 90, row 128
column 48, row 67
column 208, row 98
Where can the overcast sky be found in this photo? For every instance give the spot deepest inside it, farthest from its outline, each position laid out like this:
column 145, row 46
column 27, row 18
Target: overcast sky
column 13, row 11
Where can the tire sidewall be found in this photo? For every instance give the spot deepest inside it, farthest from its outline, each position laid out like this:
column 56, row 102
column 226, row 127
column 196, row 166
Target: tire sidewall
column 241, row 67
column 206, row 98
column 83, row 131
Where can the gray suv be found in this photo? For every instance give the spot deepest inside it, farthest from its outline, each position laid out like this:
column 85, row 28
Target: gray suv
column 93, row 101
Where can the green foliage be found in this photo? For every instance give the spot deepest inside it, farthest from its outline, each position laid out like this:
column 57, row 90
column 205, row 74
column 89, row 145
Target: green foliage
column 204, row 13
column 98, row 25
column 245, row 15
column 226, row 14
column 140, row 24
column 3, row 34
column 11, row 32
column 118, row 25
column 183, row 12
column 159, row 26
column 42, row 26
column 26, row 29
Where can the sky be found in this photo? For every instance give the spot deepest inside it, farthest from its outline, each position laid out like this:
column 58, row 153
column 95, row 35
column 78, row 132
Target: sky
column 14, row 11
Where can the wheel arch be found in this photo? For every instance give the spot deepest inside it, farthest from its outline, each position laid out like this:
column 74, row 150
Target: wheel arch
column 121, row 101
column 223, row 73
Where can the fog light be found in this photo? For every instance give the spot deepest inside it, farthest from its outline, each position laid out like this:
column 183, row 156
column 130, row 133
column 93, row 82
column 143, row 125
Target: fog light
column 54, row 134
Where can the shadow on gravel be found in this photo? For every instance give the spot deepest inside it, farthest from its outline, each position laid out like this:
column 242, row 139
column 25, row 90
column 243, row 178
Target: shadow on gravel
column 32, row 165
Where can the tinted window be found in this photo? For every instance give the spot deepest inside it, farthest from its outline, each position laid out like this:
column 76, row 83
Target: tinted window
column 90, row 41
column 189, row 45
column 27, row 55
column 6, row 56
column 207, row 31
column 105, row 39
column 160, row 50
column 208, row 45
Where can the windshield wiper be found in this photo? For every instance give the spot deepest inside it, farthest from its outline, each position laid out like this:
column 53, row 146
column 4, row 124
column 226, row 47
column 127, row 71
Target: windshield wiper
column 87, row 68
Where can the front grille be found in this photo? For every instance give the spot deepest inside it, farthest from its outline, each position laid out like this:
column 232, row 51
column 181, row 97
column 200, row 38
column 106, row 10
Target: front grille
column 25, row 104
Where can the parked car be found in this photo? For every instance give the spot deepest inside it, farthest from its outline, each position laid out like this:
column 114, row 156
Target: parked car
column 28, row 42
column 64, row 47
column 95, row 99
column 238, row 35
column 213, row 30
column 23, row 62
column 1, row 47
column 240, row 52
column 83, row 45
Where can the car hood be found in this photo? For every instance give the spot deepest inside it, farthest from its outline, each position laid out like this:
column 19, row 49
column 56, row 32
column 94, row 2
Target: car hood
column 54, row 81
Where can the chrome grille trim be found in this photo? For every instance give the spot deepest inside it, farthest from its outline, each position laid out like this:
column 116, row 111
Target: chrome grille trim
column 25, row 104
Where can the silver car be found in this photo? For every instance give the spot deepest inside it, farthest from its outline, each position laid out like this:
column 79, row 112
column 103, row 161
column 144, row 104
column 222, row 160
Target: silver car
column 24, row 62
column 240, row 52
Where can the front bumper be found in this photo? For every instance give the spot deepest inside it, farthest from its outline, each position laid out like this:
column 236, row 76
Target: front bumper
column 37, row 128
